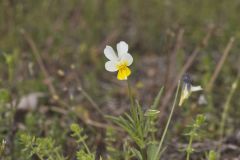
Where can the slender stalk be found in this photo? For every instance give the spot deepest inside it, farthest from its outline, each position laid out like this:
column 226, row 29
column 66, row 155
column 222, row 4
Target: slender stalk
column 167, row 125
column 132, row 109
column 59, row 157
column 189, row 147
column 225, row 114
column 86, row 147
column 130, row 93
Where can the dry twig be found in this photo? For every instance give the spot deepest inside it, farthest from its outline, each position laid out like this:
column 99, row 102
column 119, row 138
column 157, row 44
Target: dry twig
column 220, row 64
column 38, row 58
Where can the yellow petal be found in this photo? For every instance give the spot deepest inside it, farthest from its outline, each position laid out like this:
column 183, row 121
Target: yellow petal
column 123, row 73
column 181, row 100
column 184, row 95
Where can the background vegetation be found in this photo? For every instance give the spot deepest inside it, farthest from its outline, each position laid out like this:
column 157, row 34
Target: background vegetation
column 51, row 54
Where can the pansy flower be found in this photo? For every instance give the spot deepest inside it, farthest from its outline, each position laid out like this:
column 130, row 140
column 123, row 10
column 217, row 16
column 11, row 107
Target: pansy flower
column 119, row 62
column 187, row 89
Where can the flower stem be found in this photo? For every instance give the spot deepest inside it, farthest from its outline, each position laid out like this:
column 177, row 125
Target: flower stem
column 132, row 108
column 167, row 125
column 130, row 93
column 135, row 115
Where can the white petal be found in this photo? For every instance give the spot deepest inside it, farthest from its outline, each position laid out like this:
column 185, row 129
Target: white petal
column 122, row 47
column 128, row 58
column 110, row 54
column 196, row 88
column 111, row 66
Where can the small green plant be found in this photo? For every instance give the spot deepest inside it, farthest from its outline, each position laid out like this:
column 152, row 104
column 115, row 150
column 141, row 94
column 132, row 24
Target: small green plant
column 212, row 155
column 10, row 60
column 43, row 148
column 140, row 126
column 111, row 141
column 82, row 154
column 193, row 134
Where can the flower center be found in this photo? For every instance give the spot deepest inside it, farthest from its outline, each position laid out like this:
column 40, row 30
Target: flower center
column 121, row 65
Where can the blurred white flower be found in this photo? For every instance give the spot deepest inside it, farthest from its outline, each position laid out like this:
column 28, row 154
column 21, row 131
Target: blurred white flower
column 202, row 100
column 187, row 89
column 120, row 61
column 30, row 101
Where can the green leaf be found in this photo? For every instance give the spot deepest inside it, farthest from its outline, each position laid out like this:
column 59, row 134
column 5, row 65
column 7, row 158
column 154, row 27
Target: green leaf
column 151, row 150
column 157, row 99
column 200, row 119
column 82, row 155
column 151, row 113
column 136, row 153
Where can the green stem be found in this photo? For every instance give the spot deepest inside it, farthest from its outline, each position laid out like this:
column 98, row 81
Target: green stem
column 130, row 93
column 225, row 114
column 132, row 108
column 58, row 155
column 189, row 147
column 86, row 147
column 143, row 153
column 167, row 125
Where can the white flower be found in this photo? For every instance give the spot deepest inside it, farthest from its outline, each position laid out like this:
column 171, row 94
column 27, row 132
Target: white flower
column 187, row 89
column 120, row 61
